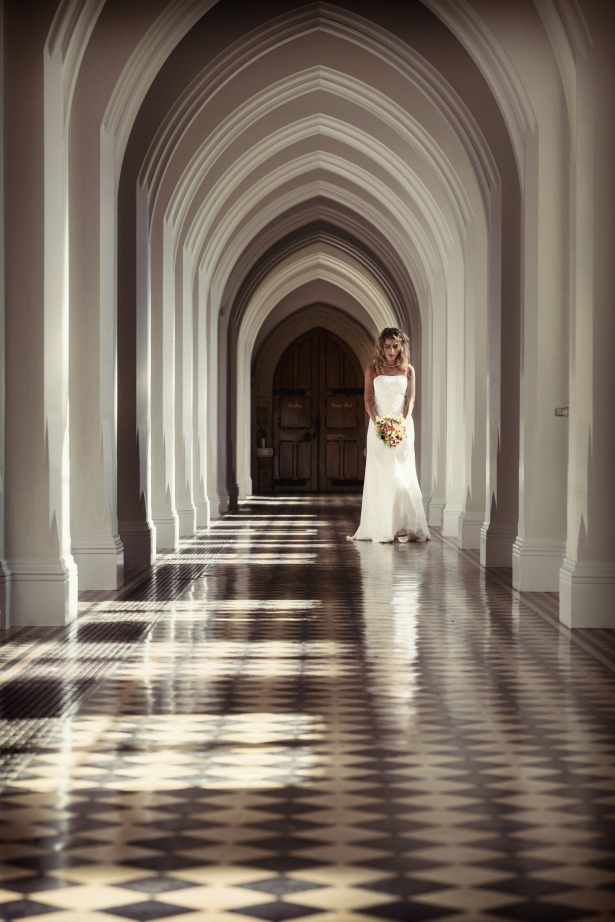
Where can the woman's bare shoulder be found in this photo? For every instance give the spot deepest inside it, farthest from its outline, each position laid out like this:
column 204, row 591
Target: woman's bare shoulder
column 410, row 371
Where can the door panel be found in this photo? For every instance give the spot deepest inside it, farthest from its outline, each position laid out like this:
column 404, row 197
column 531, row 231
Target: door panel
column 295, row 411
column 319, row 417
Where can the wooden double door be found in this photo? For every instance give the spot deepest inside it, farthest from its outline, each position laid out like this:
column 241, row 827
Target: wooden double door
column 318, row 417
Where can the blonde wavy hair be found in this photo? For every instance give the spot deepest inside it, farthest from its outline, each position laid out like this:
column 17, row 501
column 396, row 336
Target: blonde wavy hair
column 403, row 358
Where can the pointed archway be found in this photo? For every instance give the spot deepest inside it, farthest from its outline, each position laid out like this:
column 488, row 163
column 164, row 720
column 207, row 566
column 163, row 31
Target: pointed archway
column 308, row 416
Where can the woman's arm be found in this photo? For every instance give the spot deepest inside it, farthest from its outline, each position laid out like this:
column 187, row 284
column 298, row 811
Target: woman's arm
column 370, row 400
column 410, row 392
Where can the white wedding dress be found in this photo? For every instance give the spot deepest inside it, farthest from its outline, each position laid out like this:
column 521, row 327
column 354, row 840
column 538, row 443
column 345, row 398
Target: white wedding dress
column 392, row 500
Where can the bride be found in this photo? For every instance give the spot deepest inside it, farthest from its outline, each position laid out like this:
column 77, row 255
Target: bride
column 392, row 502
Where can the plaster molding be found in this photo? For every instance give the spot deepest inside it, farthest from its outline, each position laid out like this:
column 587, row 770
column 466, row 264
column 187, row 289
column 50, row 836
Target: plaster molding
column 450, row 520
column 217, row 222
column 186, row 519
column 224, row 251
column 139, row 540
column 100, row 561
column 167, row 532
column 496, row 544
column 436, row 511
column 587, row 593
column 43, row 591
column 495, row 65
column 469, row 529
column 536, row 564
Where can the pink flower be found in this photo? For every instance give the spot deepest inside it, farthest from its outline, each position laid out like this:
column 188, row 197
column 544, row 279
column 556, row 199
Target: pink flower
column 390, row 429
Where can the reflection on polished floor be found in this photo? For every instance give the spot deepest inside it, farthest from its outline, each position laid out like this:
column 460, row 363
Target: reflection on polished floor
column 277, row 723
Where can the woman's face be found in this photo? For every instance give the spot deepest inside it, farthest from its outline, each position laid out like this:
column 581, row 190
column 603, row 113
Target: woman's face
column 391, row 350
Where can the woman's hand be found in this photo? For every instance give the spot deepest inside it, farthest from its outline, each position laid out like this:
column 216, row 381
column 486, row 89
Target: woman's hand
column 370, row 400
column 410, row 393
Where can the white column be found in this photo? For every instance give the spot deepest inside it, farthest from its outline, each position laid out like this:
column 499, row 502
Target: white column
column 225, row 439
column 243, row 435
column 137, row 530
column 587, row 577
column 96, row 544
column 436, row 307
column 186, row 510
column 502, row 486
column 43, row 572
column 5, row 584
column 218, row 501
column 201, row 501
column 539, row 548
column 472, row 515
column 455, row 423
column 162, row 300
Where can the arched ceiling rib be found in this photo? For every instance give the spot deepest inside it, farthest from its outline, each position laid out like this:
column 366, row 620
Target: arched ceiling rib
column 221, row 214
column 268, row 349
column 175, row 20
column 319, row 232
column 237, row 230
column 260, row 105
column 340, row 227
column 291, row 275
column 488, row 54
column 376, row 131
column 225, row 214
column 70, row 32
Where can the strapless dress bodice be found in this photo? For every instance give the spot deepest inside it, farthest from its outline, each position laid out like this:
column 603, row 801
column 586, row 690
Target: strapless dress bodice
column 390, row 394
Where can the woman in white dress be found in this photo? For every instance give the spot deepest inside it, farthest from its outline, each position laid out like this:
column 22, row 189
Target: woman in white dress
column 392, row 501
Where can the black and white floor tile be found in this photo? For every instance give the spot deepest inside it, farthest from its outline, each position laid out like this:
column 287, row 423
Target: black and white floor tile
column 277, row 723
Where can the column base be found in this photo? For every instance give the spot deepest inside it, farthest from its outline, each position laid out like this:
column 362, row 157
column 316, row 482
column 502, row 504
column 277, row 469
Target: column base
column 43, row 591
column 536, row 564
column 244, row 488
column 139, row 540
column 224, row 499
column 214, row 506
column 436, row 511
column 187, row 520
column 587, row 594
column 5, row 595
column 100, row 562
column 469, row 525
column 203, row 513
column 167, row 532
column 496, row 544
column 450, row 521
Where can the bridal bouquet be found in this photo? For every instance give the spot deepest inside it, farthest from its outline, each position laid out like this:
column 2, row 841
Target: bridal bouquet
column 391, row 429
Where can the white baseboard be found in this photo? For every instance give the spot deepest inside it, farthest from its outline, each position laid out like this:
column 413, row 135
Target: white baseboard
column 450, row 521
column 5, row 594
column 186, row 516
column 536, row 564
column 203, row 513
column 43, row 591
column 469, row 525
column 167, row 532
column 587, row 594
column 139, row 540
column 100, row 561
column 496, row 545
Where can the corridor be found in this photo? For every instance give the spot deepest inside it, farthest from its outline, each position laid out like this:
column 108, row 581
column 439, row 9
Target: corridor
column 278, row 723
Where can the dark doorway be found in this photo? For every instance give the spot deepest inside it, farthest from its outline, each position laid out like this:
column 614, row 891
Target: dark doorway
column 318, row 417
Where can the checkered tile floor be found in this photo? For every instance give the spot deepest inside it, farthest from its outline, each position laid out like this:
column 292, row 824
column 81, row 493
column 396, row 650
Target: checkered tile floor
column 278, row 723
